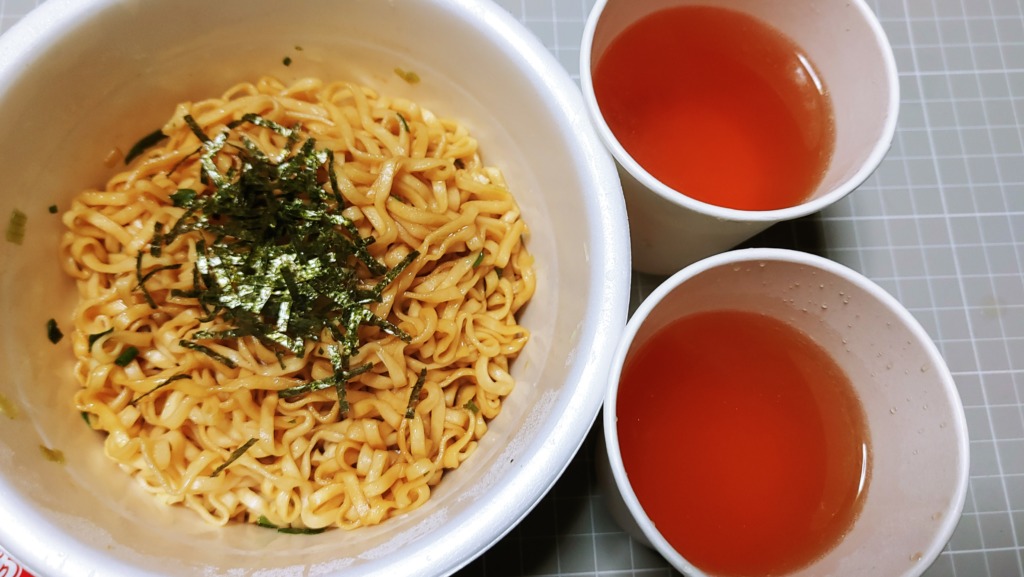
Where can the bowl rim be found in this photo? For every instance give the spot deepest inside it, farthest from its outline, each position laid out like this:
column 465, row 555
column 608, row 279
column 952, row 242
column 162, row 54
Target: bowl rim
column 789, row 256
column 609, row 255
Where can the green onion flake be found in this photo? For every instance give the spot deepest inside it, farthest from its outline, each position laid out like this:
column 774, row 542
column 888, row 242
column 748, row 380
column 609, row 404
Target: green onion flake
column 276, row 258
column 53, row 331
column 127, row 356
column 52, row 455
column 16, row 227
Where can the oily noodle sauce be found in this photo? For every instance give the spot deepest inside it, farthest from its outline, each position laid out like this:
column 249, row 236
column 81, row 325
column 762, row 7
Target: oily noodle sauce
column 743, row 441
column 718, row 106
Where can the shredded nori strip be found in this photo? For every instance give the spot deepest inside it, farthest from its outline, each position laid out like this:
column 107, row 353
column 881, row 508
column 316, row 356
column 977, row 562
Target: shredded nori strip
column 234, row 456
column 208, row 352
column 143, row 144
column 414, row 395
column 158, row 387
column 276, row 258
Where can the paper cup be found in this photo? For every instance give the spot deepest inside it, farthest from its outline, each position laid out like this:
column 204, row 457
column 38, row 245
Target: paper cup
column 914, row 416
column 850, row 53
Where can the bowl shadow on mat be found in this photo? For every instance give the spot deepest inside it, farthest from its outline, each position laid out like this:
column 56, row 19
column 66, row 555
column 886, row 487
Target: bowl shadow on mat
column 570, row 531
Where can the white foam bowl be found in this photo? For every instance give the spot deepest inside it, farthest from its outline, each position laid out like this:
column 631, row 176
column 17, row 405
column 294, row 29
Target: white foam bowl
column 78, row 77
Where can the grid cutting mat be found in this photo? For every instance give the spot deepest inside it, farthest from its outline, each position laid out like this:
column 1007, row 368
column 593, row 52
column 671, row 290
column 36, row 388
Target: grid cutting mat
column 940, row 225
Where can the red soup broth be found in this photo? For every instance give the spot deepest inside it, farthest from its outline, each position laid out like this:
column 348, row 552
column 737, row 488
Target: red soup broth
column 743, row 441
column 719, row 106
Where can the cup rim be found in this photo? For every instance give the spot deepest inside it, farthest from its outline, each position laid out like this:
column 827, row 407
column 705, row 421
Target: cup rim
column 746, row 255
column 667, row 193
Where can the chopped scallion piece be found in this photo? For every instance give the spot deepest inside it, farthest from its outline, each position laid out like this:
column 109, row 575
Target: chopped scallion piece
column 16, row 227
column 8, row 408
column 300, row 530
column 52, row 455
column 53, row 331
column 408, row 76
column 127, row 356
column 262, row 521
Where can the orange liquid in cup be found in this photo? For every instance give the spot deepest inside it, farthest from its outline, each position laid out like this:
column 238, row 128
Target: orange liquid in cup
column 743, row 441
column 718, row 106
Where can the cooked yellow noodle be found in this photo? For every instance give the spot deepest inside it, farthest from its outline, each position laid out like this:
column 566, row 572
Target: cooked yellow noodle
column 418, row 187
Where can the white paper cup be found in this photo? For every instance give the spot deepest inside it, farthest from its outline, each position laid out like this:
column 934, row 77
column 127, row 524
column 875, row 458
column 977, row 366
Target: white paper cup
column 915, row 420
column 851, row 54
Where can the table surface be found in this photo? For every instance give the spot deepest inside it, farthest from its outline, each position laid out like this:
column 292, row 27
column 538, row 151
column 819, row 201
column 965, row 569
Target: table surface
column 940, row 225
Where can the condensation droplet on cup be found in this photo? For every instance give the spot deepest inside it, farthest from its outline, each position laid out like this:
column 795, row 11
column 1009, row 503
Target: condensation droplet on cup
column 916, row 556
column 942, row 425
column 824, row 307
column 936, row 515
column 924, row 368
column 892, row 411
